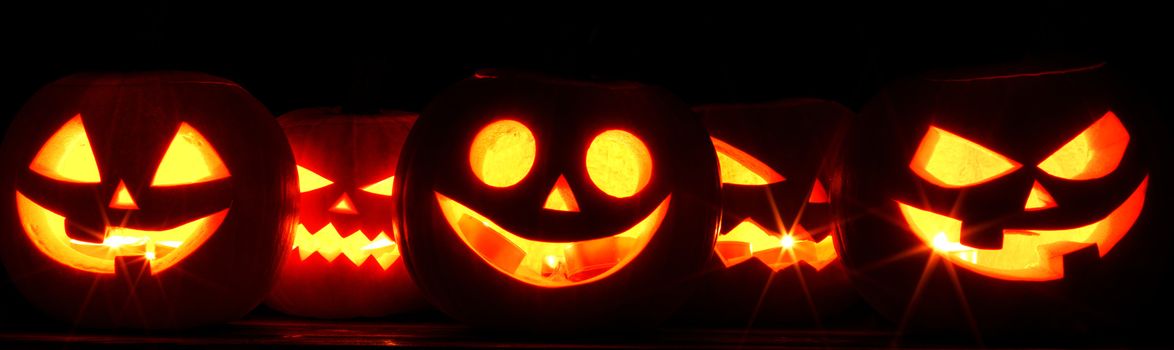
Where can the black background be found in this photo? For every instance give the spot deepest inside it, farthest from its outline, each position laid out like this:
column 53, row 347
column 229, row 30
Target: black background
column 383, row 54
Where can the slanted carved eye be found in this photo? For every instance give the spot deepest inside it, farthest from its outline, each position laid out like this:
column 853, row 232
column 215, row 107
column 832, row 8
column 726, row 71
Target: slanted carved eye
column 67, row 155
column 381, row 187
column 189, row 159
column 951, row 161
column 740, row 168
column 1094, row 153
column 309, row 180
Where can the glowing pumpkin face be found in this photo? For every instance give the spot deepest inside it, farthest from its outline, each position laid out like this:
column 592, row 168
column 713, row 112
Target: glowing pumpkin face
column 551, row 197
column 776, row 160
column 127, row 205
column 344, row 262
column 1023, row 185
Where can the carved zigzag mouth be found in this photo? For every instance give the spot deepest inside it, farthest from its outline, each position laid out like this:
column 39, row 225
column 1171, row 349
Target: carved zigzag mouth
column 750, row 240
column 356, row 247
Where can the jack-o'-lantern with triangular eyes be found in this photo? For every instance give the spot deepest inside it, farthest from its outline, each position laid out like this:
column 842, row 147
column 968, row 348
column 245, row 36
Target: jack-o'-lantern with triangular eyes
column 145, row 200
column 1003, row 201
column 536, row 203
column 344, row 262
column 775, row 257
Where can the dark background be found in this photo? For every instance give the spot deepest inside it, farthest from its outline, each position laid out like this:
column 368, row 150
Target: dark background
column 383, row 54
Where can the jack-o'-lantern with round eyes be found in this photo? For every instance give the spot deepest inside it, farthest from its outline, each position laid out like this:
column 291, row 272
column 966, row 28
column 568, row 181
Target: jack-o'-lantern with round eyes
column 1007, row 199
column 344, row 261
column 538, row 203
column 146, row 200
column 775, row 257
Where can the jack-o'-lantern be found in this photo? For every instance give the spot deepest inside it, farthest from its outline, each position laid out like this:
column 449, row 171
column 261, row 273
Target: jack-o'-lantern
column 534, row 203
column 344, row 262
column 147, row 200
column 775, row 260
column 1003, row 202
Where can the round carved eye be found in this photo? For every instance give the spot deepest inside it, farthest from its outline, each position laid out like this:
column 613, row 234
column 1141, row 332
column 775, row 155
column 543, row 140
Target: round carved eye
column 619, row 163
column 502, row 153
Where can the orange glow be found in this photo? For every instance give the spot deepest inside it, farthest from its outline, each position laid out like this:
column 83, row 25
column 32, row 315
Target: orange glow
column 122, row 199
column 619, row 163
column 819, row 194
column 561, row 198
column 382, row 188
column 189, row 159
column 549, row 264
column 309, row 180
column 502, row 153
column 1039, row 198
column 1027, row 254
column 951, row 161
column 1094, row 153
column 750, row 240
column 740, row 168
column 67, row 155
column 163, row 249
column 344, row 205
column 328, row 243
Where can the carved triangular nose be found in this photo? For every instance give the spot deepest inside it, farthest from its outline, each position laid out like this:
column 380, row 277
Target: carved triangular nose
column 1039, row 199
column 561, row 198
column 344, row 205
column 122, row 198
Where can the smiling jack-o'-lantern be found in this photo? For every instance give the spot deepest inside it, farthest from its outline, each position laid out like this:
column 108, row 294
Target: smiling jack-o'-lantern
column 537, row 203
column 151, row 200
column 1003, row 199
column 344, row 262
column 776, row 261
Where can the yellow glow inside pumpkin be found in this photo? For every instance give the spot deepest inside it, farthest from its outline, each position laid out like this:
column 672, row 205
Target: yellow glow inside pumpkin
column 189, row 159
column 750, row 240
column 561, row 198
column 502, row 153
column 1094, row 153
column 382, row 187
column 740, row 168
column 309, row 180
column 950, row 161
column 162, row 248
column 67, row 155
column 356, row 247
column 1027, row 254
column 549, row 264
column 619, row 163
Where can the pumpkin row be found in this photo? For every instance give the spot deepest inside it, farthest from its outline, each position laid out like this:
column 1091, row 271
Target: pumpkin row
column 521, row 201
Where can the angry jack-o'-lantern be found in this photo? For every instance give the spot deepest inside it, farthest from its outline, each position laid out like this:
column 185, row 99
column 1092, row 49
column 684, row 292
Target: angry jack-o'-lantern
column 150, row 200
column 775, row 260
column 999, row 202
column 344, row 262
column 537, row 203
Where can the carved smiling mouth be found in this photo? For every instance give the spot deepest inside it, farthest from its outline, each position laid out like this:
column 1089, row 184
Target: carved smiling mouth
column 356, row 247
column 161, row 248
column 550, row 264
column 1027, row 254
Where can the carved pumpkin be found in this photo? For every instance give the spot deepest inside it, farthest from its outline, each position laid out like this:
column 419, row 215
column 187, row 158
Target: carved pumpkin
column 344, row 262
column 1005, row 198
column 537, row 203
column 775, row 261
column 150, row 200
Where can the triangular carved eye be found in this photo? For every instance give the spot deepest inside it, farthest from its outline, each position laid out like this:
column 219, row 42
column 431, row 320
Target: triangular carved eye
column 951, row 161
column 1094, row 153
column 309, row 180
column 382, row 187
column 67, row 155
column 190, row 158
column 740, row 168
